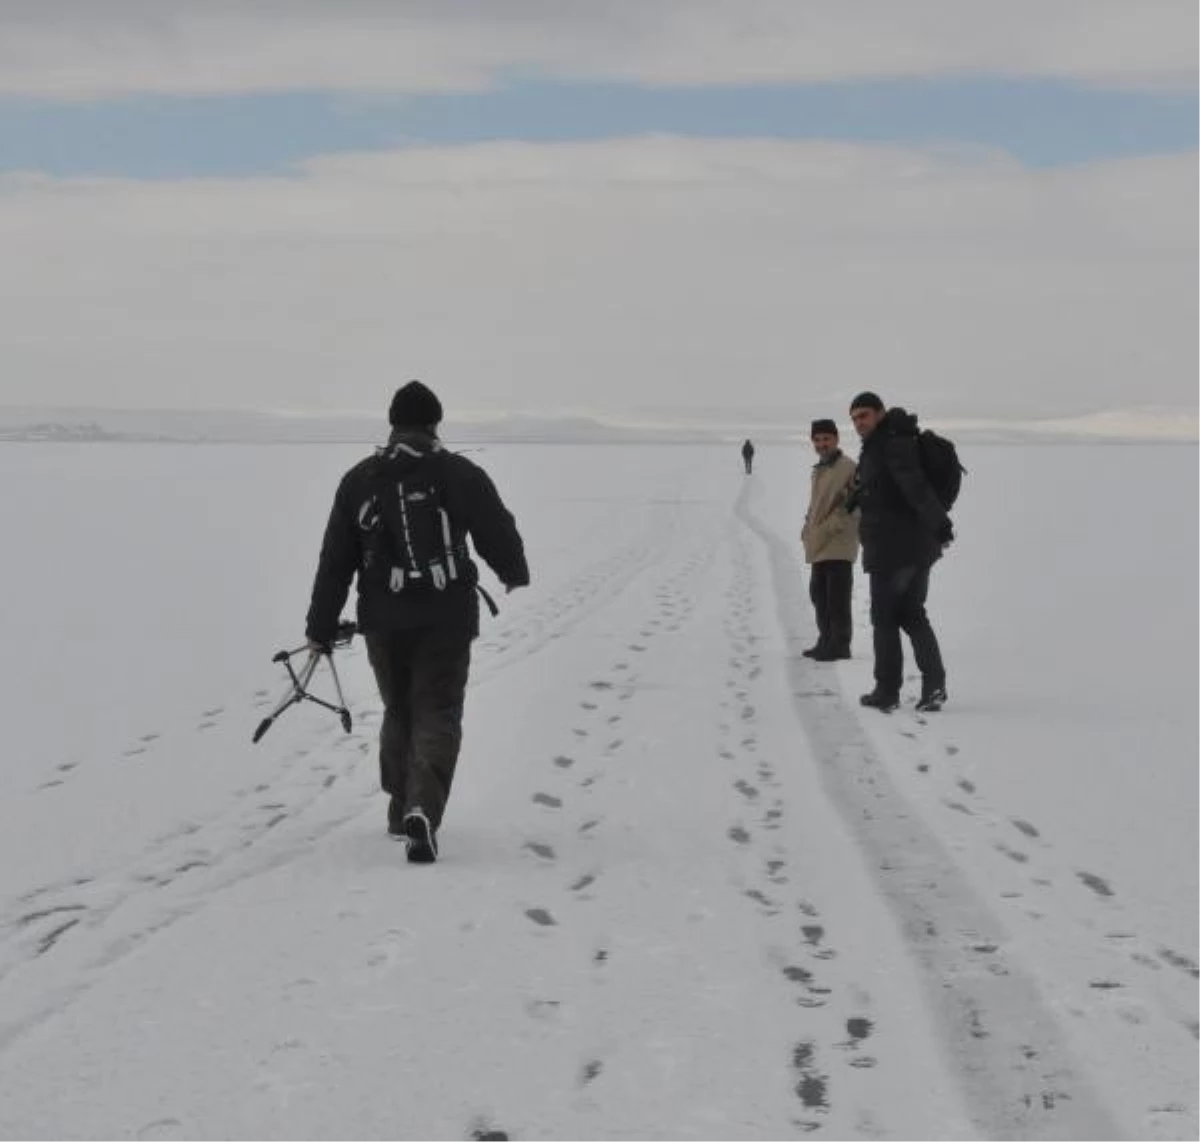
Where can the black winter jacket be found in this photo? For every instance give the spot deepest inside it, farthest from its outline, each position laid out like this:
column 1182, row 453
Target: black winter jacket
column 475, row 510
column 903, row 524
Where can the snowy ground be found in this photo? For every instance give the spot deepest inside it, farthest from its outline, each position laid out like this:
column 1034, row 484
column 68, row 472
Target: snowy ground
column 688, row 889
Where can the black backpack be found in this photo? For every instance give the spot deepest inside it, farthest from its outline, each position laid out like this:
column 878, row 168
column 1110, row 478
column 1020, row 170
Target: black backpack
column 410, row 541
column 939, row 459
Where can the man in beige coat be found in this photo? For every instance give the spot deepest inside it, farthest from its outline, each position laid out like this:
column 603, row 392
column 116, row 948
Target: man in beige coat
column 830, row 538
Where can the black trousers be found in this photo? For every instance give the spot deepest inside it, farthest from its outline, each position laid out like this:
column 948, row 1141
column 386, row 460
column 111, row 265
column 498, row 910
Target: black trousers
column 830, row 586
column 422, row 677
column 898, row 604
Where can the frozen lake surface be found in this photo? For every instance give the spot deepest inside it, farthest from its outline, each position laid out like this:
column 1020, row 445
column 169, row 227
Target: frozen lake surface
column 689, row 889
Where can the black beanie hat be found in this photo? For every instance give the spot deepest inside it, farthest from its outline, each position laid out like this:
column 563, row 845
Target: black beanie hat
column 824, row 428
column 866, row 400
column 415, row 406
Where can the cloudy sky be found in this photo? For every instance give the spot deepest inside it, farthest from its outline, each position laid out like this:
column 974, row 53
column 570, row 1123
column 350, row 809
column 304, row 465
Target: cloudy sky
column 633, row 208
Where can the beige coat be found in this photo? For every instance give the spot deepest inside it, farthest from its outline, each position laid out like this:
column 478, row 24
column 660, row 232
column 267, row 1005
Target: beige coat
column 830, row 532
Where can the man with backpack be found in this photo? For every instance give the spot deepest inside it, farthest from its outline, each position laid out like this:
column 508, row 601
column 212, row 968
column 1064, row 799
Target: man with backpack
column 830, row 538
column 904, row 527
column 400, row 521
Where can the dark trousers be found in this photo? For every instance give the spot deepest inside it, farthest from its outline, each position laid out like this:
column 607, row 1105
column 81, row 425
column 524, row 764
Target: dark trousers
column 829, row 586
column 749, row 460
column 422, row 677
column 898, row 604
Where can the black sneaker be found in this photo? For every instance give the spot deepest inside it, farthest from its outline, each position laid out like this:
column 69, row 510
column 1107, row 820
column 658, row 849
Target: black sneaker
column 932, row 700
column 422, row 843
column 813, row 651
column 877, row 700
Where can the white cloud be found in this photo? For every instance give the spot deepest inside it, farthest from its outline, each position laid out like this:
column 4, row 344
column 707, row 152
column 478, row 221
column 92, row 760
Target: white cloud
column 92, row 48
column 609, row 277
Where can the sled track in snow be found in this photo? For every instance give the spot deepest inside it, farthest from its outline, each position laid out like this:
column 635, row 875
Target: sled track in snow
column 1010, row 1058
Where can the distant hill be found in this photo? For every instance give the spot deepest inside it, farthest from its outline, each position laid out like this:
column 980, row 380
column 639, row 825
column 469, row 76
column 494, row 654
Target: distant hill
column 76, row 425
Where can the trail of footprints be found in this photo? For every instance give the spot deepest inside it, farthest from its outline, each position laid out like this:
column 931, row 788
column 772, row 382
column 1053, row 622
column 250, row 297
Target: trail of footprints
column 1021, row 843
column 574, row 774
column 803, row 947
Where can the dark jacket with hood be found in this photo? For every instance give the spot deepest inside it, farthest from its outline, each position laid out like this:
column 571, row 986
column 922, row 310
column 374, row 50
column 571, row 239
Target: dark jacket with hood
column 903, row 524
column 475, row 510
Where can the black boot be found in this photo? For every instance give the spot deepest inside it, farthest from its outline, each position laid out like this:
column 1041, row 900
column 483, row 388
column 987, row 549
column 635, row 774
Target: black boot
column 878, row 700
column 932, row 699
column 832, row 654
column 813, row 651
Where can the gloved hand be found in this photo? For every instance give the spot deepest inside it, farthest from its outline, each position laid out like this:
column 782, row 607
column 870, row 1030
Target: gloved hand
column 318, row 647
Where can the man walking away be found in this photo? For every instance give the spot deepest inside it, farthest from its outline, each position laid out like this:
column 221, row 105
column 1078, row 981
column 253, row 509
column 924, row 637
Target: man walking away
column 748, row 456
column 830, row 538
column 904, row 529
column 400, row 521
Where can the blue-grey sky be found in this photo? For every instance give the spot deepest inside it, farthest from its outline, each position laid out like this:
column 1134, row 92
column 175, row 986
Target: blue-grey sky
column 1042, row 122
column 560, row 205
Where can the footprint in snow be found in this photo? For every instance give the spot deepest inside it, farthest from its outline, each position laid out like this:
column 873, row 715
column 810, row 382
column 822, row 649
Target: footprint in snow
column 1180, row 961
column 812, row 1088
column 813, row 934
column 542, row 1008
column 161, row 1128
column 1097, row 884
column 591, row 1071
column 483, row 1132
column 771, row 907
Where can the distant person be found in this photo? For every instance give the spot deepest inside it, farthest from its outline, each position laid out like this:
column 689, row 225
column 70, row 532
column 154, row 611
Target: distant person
column 830, row 538
column 748, row 456
column 400, row 521
column 904, row 530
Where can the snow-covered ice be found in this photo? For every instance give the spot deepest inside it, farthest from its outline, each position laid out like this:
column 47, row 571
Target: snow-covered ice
column 688, row 888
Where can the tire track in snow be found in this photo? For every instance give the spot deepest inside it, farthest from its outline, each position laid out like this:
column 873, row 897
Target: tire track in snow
column 1009, row 1055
